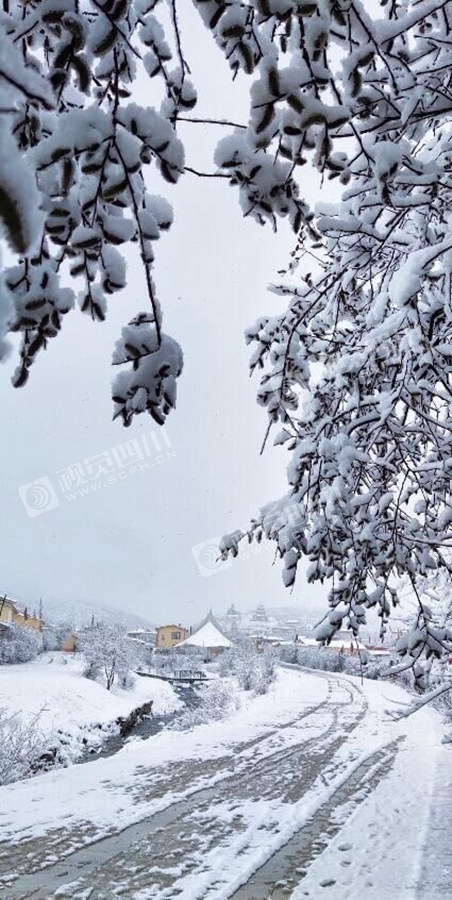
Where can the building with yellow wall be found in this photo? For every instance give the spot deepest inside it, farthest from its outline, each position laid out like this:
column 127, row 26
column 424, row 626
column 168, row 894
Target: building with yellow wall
column 11, row 615
column 69, row 644
column 170, row 635
column 7, row 610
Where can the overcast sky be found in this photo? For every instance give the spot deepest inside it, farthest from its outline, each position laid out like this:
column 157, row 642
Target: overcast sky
column 129, row 541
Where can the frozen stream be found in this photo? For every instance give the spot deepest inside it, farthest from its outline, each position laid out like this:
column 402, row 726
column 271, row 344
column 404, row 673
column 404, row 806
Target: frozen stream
column 146, row 727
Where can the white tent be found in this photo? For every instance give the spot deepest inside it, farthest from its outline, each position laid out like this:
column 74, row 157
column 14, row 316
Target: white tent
column 208, row 635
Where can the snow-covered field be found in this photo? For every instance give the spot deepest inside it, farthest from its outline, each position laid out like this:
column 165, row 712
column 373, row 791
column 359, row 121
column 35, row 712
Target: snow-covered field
column 53, row 688
column 307, row 791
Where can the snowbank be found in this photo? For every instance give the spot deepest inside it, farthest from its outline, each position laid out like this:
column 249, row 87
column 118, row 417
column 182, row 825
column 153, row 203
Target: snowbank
column 100, row 791
column 53, row 687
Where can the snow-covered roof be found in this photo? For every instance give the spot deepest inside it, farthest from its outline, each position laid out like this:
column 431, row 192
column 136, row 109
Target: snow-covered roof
column 8, row 601
column 208, row 635
column 347, row 644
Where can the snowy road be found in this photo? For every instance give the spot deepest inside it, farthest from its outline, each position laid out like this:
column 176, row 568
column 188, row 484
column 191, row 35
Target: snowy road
column 251, row 808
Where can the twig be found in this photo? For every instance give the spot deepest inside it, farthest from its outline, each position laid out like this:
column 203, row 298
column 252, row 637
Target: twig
column 205, row 174
column 211, row 122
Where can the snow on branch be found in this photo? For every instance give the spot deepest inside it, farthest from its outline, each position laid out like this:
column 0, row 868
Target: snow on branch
column 356, row 372
column 74, row 150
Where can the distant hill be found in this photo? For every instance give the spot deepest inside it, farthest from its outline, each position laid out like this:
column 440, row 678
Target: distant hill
column 80, row 612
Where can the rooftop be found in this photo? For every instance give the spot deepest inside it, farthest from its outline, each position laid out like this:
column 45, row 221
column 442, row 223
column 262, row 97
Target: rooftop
column 208, row 634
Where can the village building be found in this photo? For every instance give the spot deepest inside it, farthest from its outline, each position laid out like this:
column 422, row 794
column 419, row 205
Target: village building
column 7, row 610
column 169, row 636
column 10, row 614
column 233, row 614
column 259, row 614
column 69, row 644
column 209, row 637
column 144, row 635
column 230, row 621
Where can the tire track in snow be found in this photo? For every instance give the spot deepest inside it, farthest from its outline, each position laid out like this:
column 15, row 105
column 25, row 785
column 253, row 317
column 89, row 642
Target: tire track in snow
column 144, row 862
column 286, row 867
column 107, row 858
column 26, row 861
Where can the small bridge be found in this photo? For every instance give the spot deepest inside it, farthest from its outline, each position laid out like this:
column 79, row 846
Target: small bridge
column 189, row 675
column 181, row 676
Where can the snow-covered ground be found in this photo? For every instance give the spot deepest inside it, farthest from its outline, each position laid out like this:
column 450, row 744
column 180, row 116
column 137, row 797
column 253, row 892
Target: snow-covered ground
column 307, row 791
column 53, row 689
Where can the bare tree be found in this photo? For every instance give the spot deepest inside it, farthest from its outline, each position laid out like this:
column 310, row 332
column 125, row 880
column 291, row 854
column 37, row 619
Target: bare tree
column 108, row 650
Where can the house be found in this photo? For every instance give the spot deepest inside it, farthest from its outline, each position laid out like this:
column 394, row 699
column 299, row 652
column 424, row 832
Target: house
column 259, row 614
column 69, row 644
column 209, row 636
column 24, row 618
column 170, row 635
column 144, row 635
column 7, row 610
column 345, row 642
column 268, row 640
column 10, row 614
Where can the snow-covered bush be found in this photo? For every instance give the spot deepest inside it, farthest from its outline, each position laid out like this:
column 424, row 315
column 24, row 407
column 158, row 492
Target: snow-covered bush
column 254, row 670
column 217, row 700
column 19, row 644
column 126, row 680
column 265, row 672
column 288, row 653
column 146, row 655
column 92, row 669
column 319, row 658
column 108, row 651
column 22, row 747
column 360, row 664
column 356, row 664
column 240, row 660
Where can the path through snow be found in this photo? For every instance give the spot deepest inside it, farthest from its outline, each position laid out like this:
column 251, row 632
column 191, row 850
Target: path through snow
column 307, row 791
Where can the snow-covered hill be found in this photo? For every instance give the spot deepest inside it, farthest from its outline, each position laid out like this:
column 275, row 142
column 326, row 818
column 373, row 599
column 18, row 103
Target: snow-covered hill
column 80, row 613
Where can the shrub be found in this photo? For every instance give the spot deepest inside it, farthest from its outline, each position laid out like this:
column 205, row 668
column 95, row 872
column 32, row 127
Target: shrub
column 217, row 700
column 107, row 649
column 319, row 658
column 91, row 670
column 22, row 747
column 19, row 644
column 126, row 680
column 289, row 653
column 359, row 664
column 254, row 670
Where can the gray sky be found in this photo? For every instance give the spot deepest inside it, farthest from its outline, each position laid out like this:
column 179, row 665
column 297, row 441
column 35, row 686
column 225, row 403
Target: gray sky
column 128, row 543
